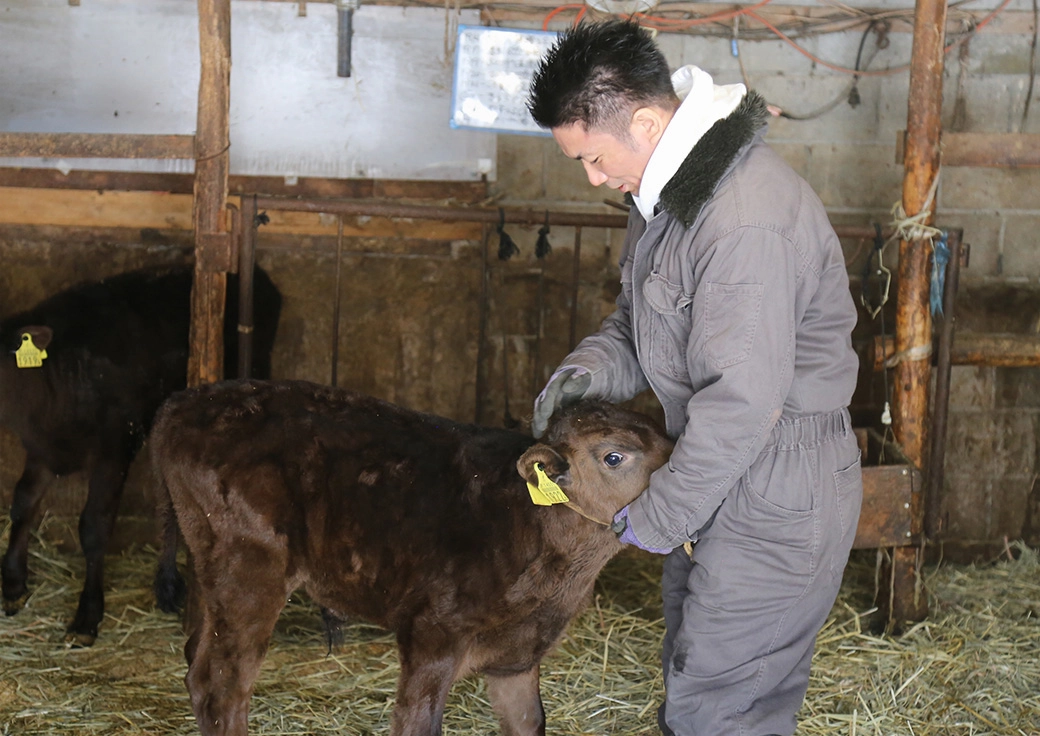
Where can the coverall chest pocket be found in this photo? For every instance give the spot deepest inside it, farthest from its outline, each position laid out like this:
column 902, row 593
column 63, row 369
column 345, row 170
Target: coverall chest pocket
column 670, row 325
column 730, row 320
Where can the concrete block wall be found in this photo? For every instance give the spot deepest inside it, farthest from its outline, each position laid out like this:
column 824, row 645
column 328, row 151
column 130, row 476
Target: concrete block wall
column 848, row 154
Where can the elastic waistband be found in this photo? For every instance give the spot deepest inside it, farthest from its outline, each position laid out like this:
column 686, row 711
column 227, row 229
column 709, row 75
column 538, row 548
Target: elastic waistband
column 810, row 430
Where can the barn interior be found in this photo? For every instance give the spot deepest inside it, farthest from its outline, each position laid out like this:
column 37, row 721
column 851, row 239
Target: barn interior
column 447, row 262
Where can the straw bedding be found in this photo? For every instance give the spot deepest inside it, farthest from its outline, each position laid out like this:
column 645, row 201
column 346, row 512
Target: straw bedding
column 972, row 667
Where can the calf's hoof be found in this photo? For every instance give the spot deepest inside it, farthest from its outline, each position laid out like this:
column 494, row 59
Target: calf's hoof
column 80, row 633
column 79, row 639
column 14, row 605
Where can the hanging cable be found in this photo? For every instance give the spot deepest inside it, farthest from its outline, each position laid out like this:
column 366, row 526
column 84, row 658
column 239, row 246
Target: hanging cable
column 878, row 252
column 1032, row 68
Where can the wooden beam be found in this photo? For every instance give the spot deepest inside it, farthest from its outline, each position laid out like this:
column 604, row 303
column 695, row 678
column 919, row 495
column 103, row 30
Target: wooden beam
column 792, row 19
column 68, row 208
column 96, row 145
column 999, row 150
column 921, row 168
column 1002, row 350
column 904, row 599
column 462, row 192
column 209, row 290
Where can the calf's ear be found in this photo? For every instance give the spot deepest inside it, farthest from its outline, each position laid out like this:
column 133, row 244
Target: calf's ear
column 41, row 335
column 553, row 465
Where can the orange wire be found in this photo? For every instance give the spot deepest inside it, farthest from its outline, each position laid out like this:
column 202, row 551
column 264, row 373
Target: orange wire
column 557, row 10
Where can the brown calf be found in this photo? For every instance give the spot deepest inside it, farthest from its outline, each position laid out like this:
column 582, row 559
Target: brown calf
column 416, row 523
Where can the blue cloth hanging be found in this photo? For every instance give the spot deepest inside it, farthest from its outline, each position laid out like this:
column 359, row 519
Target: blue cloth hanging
column 940, row 257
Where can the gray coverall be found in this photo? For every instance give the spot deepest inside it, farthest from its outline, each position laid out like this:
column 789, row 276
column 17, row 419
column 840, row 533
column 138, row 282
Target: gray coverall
column 735, row 309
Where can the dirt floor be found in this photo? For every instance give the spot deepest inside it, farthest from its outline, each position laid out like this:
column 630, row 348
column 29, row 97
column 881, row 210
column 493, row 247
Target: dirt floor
column 971, row 668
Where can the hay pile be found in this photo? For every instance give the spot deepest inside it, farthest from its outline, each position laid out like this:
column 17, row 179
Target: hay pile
column 973, row 667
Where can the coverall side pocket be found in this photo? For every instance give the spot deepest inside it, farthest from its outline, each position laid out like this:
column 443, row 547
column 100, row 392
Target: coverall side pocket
column 849, row 486
column 730, row 320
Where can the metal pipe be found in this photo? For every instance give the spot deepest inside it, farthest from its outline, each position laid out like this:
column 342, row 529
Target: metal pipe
column 425, row 212
column 575, row 284
column 933, row 519
column 336, row 302
column 370, row 208
column 481, row 381
column 246, row 265
column 344, row 36
column 536, row 358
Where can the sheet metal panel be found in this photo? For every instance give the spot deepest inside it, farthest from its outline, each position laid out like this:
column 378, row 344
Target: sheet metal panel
column 116, row 66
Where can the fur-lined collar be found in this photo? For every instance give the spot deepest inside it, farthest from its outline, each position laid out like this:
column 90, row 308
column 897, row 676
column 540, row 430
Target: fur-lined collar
column 696, row 179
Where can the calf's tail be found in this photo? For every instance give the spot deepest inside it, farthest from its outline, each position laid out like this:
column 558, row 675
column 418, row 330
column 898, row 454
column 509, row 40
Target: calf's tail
column 169, row 585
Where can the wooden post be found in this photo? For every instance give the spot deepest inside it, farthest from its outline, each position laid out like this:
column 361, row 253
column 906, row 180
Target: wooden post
column 212, row 241
column 905, row 596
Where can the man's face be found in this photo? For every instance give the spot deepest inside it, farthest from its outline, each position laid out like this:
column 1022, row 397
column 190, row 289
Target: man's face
column 618, row 163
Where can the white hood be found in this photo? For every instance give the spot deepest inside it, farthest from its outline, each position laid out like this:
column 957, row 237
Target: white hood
column 703, row 104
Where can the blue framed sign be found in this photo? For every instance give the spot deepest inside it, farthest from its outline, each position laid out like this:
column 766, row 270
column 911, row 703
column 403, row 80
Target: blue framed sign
column 493, row 71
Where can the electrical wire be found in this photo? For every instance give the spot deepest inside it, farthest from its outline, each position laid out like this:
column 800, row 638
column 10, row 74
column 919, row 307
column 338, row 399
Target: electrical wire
column 1032, row 68
column 665, row 24
column 850, row 90
column 656, row 22
column 582, row 8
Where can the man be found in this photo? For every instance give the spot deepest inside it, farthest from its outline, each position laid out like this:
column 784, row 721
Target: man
column 735, row 309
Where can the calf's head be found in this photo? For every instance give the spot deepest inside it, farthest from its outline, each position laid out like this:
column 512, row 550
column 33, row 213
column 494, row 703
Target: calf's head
column 600, row 455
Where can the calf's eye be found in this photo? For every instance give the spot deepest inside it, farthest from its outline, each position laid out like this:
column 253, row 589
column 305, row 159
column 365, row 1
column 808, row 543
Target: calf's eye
column 613, row 459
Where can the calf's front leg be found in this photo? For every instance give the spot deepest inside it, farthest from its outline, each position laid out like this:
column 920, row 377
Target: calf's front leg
column 517, row 703
column 25, row 506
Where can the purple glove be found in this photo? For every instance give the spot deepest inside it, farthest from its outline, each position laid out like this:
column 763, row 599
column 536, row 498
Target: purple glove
column 626, row 535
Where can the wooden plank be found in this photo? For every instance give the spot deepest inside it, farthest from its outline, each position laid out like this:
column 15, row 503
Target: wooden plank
column 1000, row 349
column 1005, row 350
column 901, row 596
column 97, row 145
column 888, row 500
column 161, row 211
column 73, row 208
column 998, row 150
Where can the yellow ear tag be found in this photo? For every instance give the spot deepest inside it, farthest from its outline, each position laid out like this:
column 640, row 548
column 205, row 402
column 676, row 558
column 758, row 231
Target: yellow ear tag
column 28, row 355
column 546, row 493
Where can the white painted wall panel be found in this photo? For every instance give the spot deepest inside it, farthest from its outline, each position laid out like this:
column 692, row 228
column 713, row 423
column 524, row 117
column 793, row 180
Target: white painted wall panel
column 122, row 66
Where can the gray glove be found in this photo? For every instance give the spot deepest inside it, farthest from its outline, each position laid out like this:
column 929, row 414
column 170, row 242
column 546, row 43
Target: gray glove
column 568, row 384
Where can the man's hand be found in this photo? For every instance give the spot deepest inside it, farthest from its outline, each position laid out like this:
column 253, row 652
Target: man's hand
column 626, row 535
column 567, row 385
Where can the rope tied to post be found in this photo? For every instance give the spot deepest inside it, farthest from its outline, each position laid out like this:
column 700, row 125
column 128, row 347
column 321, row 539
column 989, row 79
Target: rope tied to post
column 917, row 352
column 912, row 229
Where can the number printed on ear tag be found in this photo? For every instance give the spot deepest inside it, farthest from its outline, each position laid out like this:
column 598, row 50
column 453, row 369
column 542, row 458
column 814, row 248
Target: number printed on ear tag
column 546, row 493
